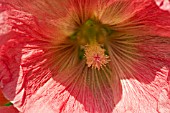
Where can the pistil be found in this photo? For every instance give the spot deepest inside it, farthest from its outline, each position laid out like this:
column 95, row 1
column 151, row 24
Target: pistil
column 95, row 56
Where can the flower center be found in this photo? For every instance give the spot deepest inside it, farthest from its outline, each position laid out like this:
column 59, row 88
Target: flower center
column 92, row 37
column 95, row 56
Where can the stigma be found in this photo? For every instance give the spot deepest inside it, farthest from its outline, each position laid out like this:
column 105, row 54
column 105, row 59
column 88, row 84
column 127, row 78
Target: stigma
column 95, row 56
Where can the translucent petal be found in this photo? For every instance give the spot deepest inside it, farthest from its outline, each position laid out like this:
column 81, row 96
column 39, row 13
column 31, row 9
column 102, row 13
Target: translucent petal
column 138, row 61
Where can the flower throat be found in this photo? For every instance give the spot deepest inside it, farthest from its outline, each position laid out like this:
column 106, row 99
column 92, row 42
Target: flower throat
column 91, row 37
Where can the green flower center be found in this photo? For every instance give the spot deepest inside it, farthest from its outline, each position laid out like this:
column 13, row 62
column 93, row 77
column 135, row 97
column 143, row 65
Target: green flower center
column 91, row 32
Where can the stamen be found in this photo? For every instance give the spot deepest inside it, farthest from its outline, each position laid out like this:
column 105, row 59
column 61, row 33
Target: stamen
column 95, row 56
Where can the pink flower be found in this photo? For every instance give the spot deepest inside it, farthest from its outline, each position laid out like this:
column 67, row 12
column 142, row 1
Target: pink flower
column 85, row 56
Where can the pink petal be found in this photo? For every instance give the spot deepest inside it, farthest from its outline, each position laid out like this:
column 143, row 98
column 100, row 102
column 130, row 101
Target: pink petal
column 152, row 98
column 164, row 96
column 113, row 12
column 4, row 26
column 136, row 61
column 141, row 17
column 69, row 92
column 156, row 22
column 64, row 14
column 163, row 4
column 8, row 109
column 3, row 100
column 39, row 8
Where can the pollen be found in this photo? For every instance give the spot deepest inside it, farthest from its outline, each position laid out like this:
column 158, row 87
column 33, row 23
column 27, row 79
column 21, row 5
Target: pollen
column 95, row 56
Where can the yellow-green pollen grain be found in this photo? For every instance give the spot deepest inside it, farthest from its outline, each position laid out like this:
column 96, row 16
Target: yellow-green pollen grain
column 91, row 37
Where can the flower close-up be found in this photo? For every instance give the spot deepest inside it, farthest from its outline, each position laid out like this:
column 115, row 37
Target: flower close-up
column 85, row 56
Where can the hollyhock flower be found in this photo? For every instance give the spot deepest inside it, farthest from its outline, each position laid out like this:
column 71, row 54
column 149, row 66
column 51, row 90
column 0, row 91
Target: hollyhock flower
column 85, row 56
